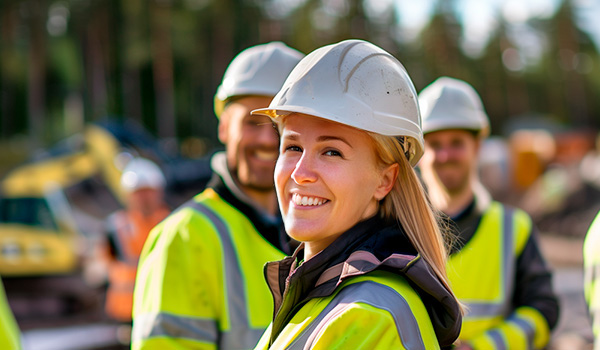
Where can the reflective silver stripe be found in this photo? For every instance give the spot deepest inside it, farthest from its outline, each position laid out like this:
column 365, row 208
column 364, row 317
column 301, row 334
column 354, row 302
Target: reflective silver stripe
column 484, row 309
column 169, row 325
column 503, row 307
column 240, row 335
column 376, row 295
column 498, row 340
column 526, row 327
column 509, row 258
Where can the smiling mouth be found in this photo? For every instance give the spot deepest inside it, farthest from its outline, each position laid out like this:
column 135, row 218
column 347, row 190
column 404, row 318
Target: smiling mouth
column 266, row 155
column 307, row 200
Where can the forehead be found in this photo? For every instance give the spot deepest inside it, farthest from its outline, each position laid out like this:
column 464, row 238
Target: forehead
column 303, row 123
column 245, row 104
column 450, row 134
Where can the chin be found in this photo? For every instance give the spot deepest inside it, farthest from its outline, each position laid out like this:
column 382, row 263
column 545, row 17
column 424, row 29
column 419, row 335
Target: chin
column 302, row 234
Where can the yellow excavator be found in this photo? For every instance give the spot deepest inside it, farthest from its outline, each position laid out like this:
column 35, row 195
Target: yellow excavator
column 52, row 212
column 38, row 232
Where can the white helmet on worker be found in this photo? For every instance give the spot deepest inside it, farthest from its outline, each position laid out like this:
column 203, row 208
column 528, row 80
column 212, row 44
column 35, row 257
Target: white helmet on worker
column 358, row 84
column 449, row 103
column 142, row 173
column 257, row 71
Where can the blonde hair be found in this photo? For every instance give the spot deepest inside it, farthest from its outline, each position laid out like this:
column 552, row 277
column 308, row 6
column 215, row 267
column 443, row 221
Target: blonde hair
column 407, row 203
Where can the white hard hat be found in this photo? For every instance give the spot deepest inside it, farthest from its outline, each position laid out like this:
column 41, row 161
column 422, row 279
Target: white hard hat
column 358, row 84
column 142, row 173
column 449, row 103
column 258, row 71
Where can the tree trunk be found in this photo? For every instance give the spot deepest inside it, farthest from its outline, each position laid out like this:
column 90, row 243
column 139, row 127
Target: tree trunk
column 162, row 66
column 36, row 85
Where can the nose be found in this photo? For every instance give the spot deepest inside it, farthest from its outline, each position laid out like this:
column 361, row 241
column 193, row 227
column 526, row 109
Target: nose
column 304, row 171
column 442, row 154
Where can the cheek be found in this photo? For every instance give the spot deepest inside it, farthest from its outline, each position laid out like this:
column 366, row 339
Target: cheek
column 428, row 159
column 279, row 174
column 282, row 175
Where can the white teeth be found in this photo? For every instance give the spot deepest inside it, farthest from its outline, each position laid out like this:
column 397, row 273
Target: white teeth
column 266, row 155
column 304, row 200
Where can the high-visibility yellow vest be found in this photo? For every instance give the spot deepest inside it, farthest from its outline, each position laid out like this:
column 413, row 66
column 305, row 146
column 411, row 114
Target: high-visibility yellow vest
column 10, row 336
column 482, row 276
column 591, row 262
column 200, row 280
column 379, row 310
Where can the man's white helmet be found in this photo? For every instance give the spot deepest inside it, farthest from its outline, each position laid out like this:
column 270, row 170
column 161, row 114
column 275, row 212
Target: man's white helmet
column 449, row 103
column 142, row 173
column 257, row 71
column 358, row 84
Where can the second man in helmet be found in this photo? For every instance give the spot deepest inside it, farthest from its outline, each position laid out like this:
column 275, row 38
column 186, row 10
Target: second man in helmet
column 495, row 267
column 200, row 282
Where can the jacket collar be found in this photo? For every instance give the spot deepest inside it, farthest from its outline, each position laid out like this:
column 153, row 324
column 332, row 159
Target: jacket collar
column 465, row 223
column 370, row 245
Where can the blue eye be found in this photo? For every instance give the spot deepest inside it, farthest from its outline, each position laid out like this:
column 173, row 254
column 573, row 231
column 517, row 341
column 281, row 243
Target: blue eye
column 293, row 148
column 333, row 153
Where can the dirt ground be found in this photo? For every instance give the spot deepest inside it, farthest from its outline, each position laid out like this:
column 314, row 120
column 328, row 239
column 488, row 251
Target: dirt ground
column 565, row 256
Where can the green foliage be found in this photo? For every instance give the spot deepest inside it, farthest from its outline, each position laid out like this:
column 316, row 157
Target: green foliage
column 160, row 61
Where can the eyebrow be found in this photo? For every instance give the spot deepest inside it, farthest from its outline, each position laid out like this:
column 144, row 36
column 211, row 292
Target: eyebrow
column 333, row 138
column 295, row 136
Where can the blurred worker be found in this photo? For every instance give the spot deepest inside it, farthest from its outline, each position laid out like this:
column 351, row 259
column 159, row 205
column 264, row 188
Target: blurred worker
column 495, row 266
column 10, row 336
column 591, row 262
column 200, row 281
column 143, row 183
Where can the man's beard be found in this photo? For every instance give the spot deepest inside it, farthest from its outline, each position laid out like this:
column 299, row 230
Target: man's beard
column 251, row 184
column 260, row 188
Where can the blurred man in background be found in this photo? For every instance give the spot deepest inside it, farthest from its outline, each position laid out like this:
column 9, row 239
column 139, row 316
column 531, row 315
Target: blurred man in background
column 127, row 230
column 10, row 336
column 200, row 281
column 495, row 266
column 591, row 261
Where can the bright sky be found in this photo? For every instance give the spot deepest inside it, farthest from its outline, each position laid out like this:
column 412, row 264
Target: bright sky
column 480, row 18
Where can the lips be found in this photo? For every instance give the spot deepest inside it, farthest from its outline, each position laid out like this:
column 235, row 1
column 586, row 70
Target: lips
column 306, row 201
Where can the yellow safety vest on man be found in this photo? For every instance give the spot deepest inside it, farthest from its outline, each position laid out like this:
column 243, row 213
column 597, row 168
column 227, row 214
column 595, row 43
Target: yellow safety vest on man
column 482, row 277
column 200, row 283
column 10, row 336
column 591, row 261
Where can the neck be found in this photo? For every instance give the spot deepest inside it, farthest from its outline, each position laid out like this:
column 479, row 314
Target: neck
column 451, row 203
column 267, row 200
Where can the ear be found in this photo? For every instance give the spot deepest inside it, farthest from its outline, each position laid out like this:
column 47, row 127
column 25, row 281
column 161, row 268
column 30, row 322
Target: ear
column 223, row 127
column 389, row 174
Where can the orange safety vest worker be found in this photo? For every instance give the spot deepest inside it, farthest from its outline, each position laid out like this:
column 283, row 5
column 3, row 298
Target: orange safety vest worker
column 128, row 231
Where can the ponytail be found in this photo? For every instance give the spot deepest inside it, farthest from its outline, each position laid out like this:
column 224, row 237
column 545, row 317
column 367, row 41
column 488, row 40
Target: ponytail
column 407, row 203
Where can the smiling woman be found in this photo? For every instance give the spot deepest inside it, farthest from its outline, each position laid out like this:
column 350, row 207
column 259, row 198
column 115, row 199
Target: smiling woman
column 370, row 272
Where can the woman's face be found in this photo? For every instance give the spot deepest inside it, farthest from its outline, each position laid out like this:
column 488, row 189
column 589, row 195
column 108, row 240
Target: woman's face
column 327, row 179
